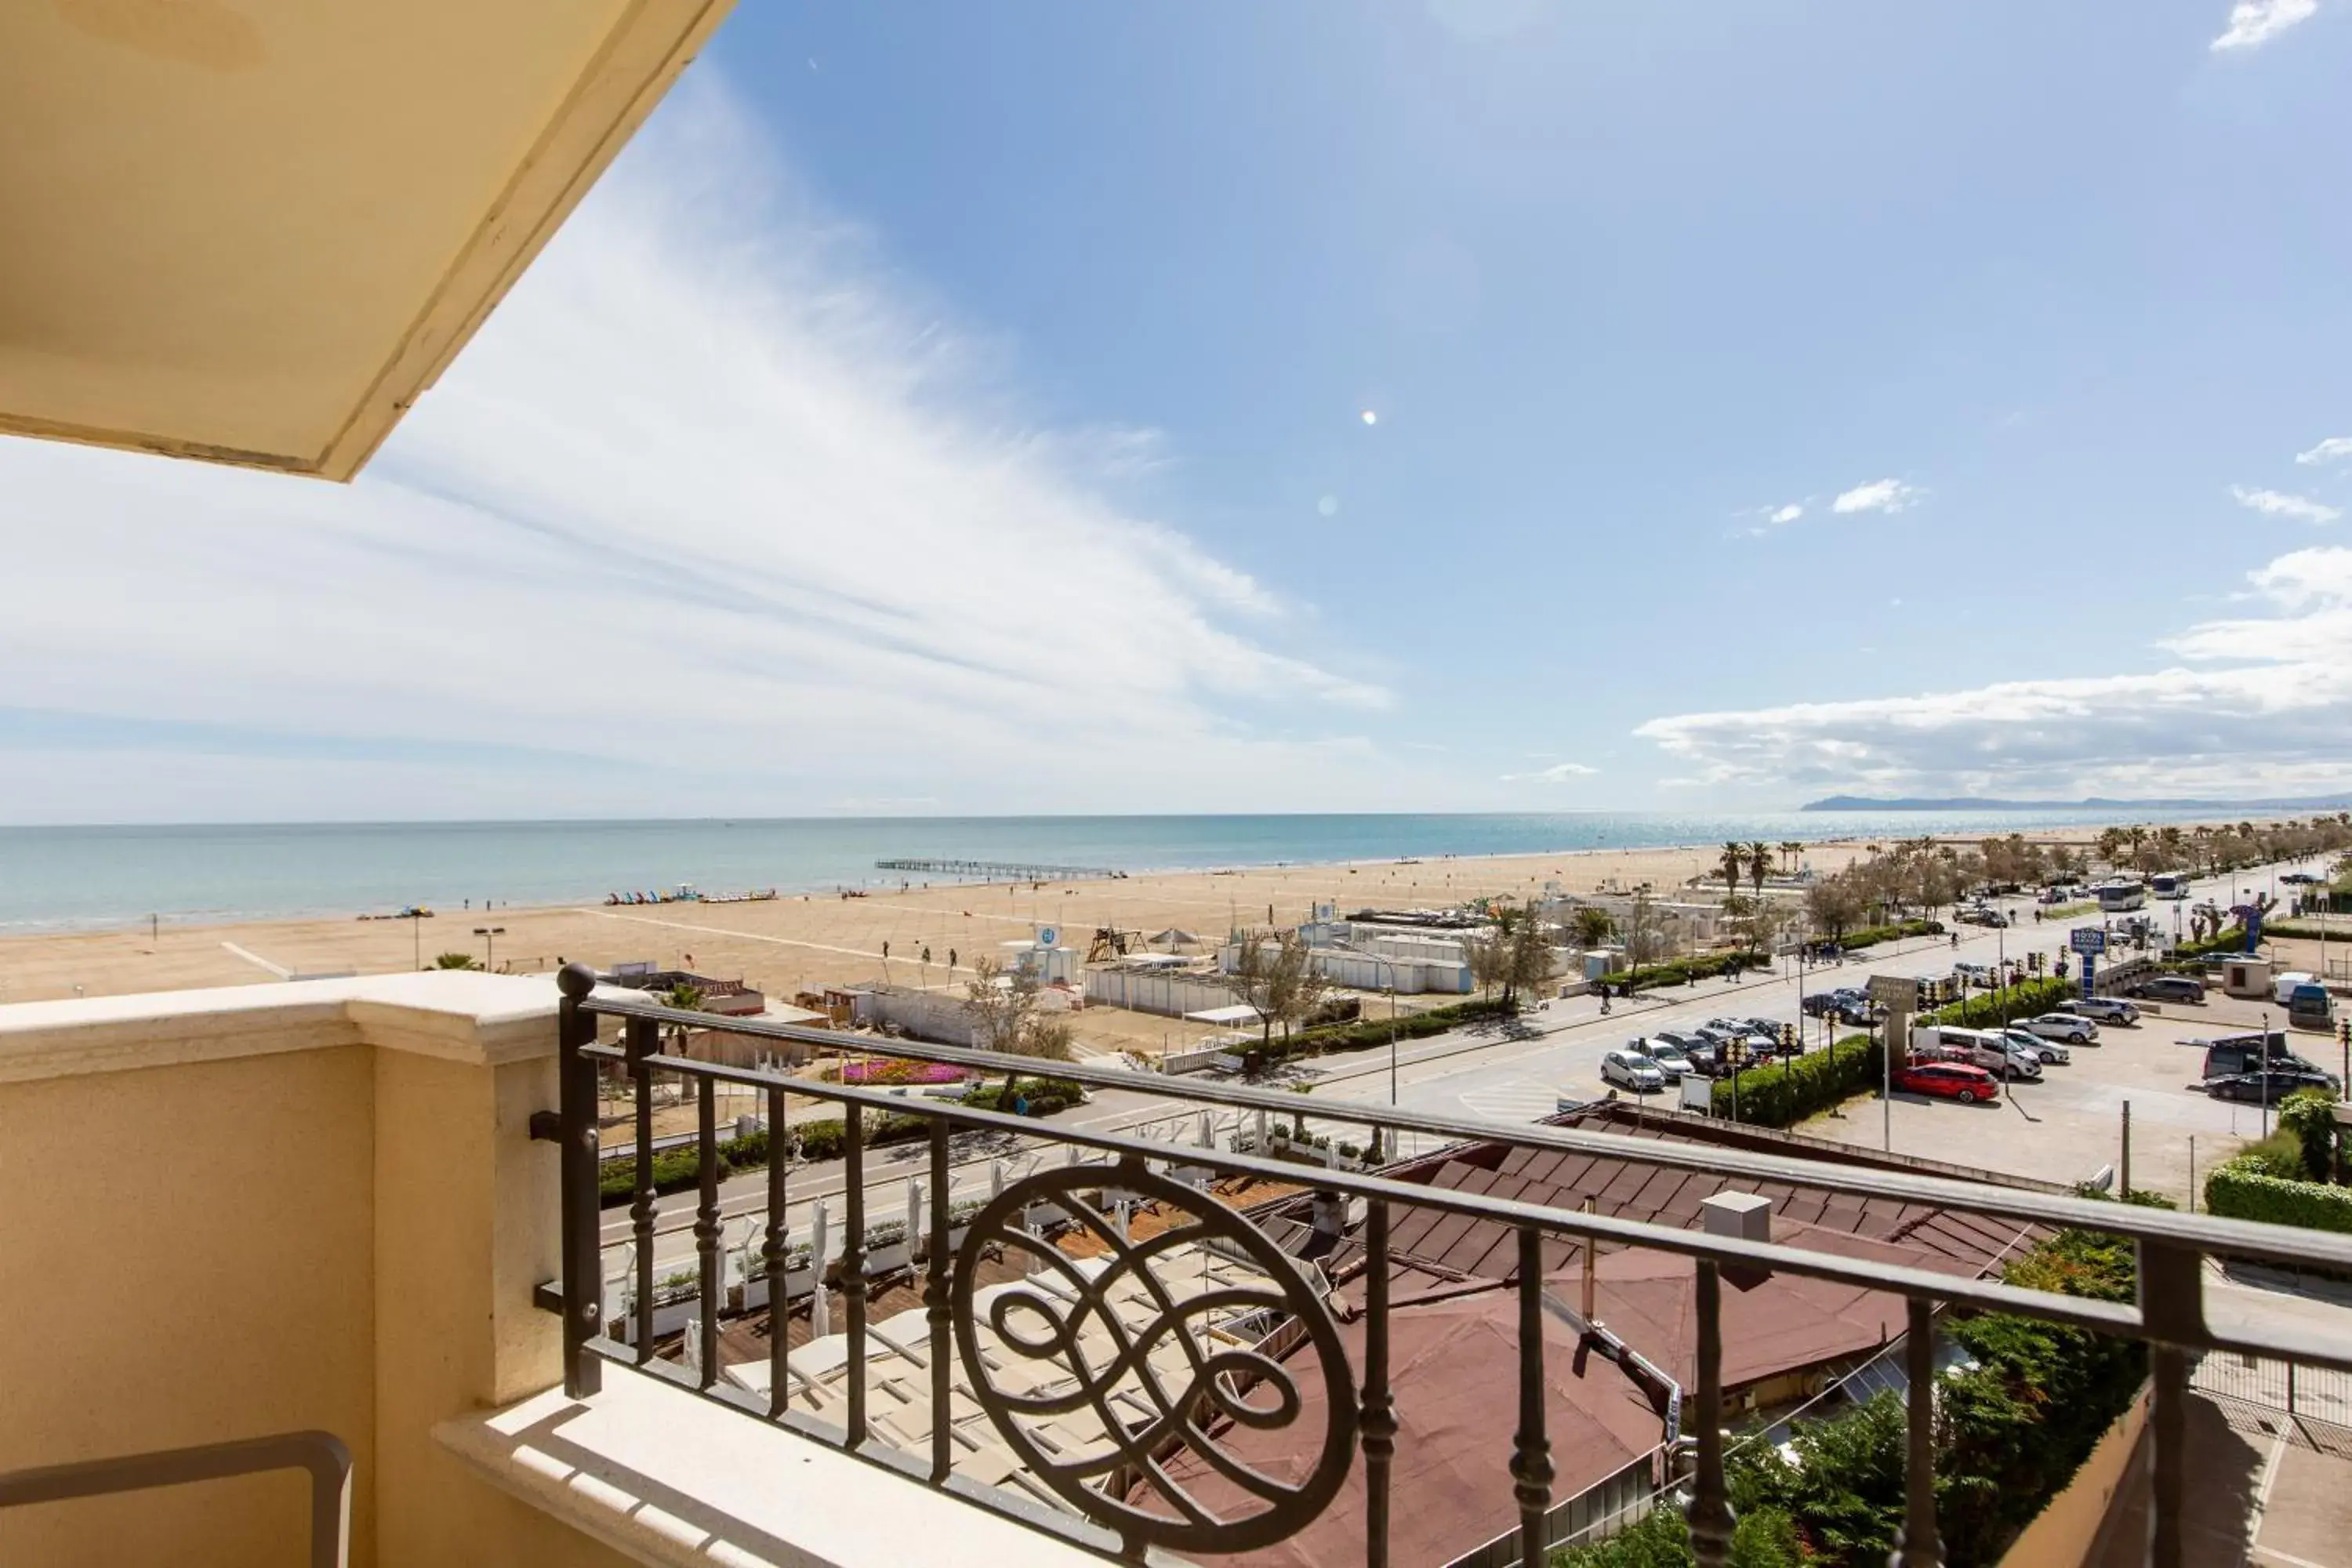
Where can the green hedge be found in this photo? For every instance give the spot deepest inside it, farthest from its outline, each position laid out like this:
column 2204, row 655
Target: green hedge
column 1784, row 1093
column 1766, row 1538
column 1365, row 1033
column 1985, row 1009
column 1871, row 936
column 2014, row 1427
column 1042, row 1097
column 2230, row 939
column 1682, row 971
column 2238, row 1189
column 675, row 1170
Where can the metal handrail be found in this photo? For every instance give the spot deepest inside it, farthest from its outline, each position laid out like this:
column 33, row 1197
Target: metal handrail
column 2169, row 1314
column 321, row 1454
column 2237, row 1238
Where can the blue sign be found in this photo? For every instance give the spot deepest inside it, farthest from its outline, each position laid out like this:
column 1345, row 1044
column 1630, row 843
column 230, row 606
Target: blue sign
column 2087, row 939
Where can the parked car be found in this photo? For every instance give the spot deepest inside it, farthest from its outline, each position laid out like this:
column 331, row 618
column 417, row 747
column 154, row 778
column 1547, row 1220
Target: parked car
column 2234, row 1054
column 2071, row 1027
column 2172, row 988
column 2105, row 1009
column 1668, row 1057
column 1631, row 1070
column 1723, row 1031
column 1681, row 1041
column 1949, row 1080
column 1978, row 1048
column 1821, row 1003
column 2269, row 1087
column 2045, row 1051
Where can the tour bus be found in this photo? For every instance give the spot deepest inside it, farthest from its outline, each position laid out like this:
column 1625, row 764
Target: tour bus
column 2171, row 885
column 2115, row 897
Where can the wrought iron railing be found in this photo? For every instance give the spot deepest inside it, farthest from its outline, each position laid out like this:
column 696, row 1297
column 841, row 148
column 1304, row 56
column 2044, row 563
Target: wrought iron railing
column 1226, row 1384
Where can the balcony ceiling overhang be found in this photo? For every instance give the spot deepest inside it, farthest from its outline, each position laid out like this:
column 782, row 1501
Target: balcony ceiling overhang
column 254, row 231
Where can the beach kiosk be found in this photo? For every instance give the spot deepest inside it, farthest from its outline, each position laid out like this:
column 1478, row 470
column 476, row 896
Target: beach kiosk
column 2247, row 978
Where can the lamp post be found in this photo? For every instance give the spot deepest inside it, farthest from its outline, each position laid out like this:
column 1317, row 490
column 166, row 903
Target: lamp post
column 489, row 935
column 1391, row 989
column 2265, row 1066
column 416, row 935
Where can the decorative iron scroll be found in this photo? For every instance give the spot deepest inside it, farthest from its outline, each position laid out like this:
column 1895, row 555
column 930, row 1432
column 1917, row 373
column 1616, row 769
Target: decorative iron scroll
column 1081, row 1356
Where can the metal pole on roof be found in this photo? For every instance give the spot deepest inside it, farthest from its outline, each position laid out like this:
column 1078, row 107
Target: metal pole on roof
column 2123, row 1171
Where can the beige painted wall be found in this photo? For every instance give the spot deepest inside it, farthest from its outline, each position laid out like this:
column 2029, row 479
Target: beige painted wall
column 2063, row 1534
column 268, row 1231
column 188, row 1258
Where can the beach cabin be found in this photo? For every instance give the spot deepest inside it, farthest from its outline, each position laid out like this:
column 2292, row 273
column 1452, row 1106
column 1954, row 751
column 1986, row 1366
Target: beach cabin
column 2247, row 978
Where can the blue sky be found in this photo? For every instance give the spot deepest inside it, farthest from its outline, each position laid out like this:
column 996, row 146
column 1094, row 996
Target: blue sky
column 963, row 409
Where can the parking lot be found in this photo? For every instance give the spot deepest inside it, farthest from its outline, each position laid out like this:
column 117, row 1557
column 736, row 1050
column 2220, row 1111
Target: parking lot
column 2067, row 1126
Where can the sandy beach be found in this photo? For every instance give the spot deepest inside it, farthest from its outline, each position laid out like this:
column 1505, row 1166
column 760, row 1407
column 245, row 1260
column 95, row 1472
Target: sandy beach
column 795, row 942
column 798, row 942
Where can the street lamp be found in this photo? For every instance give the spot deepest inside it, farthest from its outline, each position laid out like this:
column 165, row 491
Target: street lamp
column 489, row 935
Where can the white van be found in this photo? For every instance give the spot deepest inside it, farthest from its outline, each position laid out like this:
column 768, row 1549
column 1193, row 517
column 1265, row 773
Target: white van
column 1977, row 1048
column 2282, row 986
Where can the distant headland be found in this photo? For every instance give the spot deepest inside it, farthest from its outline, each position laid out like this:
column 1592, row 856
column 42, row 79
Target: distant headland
column 2089, row 803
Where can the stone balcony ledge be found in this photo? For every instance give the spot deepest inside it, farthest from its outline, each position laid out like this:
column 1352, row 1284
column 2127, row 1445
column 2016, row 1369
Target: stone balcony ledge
column 665, row 1477
column 459, row 1015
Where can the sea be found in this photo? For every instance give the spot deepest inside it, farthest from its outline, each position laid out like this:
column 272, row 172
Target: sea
column 97, row 877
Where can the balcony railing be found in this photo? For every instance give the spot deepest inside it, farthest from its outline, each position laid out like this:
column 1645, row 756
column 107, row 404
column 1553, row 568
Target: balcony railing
column 1068, row 1318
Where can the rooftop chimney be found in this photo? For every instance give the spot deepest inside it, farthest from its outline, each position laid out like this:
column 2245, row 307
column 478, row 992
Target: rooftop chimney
column 1749, row 1217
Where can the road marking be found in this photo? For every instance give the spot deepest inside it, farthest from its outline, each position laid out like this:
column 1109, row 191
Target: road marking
column 255, row 959
column 720, row 930
column 1514, row 1099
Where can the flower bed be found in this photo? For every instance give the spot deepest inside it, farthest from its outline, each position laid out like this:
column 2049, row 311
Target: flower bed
column 901, row 1072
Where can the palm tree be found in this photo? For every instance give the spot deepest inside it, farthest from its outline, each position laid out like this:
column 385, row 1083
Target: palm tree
column 1590, row 925
column 1735, row 855
column 1759, row 864
column 456, row 961
column 1789, row 849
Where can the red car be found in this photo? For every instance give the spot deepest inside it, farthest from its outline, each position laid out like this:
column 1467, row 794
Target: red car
column 1953, row 1080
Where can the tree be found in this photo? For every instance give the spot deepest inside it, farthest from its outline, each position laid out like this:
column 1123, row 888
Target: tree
column 456, row 961
column 1527, row 960
column 1833, row 904
column 1279, row 979
column 1490, row 961
column 1005, row 1017
column 1589, row 925
column 1759, row 864
column 1735, row 855
column 1644, row 942
column 1760, row 922
column 1789, row 849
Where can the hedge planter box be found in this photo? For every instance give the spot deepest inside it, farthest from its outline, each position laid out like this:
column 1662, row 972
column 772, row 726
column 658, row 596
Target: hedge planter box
column 753, row 1293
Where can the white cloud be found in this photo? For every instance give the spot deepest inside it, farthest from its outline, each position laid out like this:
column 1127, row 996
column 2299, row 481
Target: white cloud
column 1558, row 773
column 1878, row 495
column 2336, row 448
column 2277, row 503
column 2259, row 704
column 2254, row 23
column 715, row 503
column 1789, row 513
